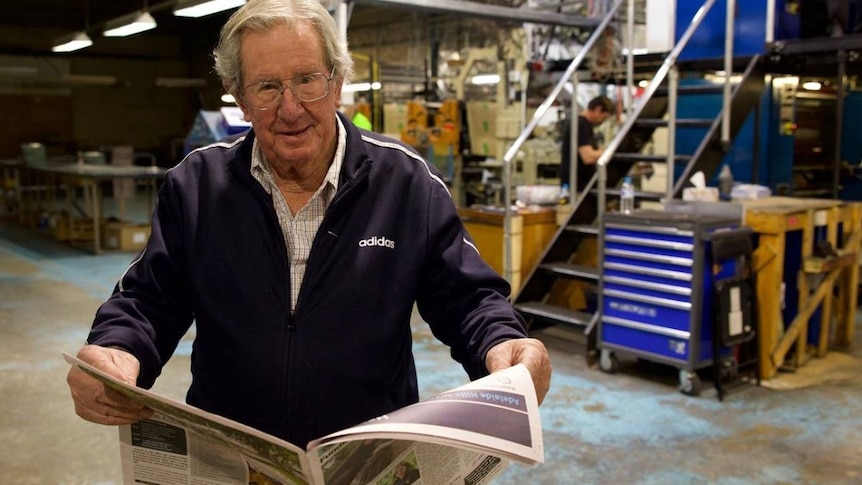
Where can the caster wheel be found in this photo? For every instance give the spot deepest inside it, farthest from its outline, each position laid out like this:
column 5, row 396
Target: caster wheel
column 689, row 383
column 608, row 362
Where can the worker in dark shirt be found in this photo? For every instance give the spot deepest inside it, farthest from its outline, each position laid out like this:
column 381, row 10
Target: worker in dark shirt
column 598, row 110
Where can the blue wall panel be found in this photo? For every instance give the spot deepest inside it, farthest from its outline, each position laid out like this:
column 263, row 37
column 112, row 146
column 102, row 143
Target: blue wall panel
column 708, row 41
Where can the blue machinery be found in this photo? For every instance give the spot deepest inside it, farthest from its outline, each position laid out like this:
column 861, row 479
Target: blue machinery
column 212, row 126
column 800, row 142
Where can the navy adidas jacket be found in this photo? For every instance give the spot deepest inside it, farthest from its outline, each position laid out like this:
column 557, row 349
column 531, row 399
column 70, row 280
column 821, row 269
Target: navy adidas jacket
column 216, row 256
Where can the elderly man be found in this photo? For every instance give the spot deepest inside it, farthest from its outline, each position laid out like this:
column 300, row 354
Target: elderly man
column 299, row 250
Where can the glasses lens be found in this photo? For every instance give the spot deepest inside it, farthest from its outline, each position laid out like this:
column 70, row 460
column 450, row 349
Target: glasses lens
column 262, row 95
column 310, row 87
column 267, row 94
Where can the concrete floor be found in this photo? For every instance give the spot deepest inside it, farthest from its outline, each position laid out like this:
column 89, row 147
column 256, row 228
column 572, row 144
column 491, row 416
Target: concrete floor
column 628, row 428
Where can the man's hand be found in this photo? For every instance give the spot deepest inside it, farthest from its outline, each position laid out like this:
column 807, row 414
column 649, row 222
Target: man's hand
column 528, row 351
column 97, row 403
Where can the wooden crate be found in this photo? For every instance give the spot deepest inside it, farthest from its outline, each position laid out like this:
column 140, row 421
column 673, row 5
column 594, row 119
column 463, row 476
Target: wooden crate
column 73, row 229
column 825, row 284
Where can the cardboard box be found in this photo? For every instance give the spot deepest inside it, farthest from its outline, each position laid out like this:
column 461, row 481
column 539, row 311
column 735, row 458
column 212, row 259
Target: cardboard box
column 125, row 236
column 394, row 118
column 482, row 127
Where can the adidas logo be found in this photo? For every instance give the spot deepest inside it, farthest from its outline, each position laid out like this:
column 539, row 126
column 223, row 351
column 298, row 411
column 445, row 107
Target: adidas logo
column 377, row 241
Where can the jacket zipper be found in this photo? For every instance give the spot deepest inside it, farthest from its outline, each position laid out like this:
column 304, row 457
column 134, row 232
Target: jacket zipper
column 337, row 202
column 266, row 199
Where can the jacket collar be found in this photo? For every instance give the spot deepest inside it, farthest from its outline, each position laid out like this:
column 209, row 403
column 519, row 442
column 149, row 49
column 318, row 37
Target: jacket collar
column 355, row 153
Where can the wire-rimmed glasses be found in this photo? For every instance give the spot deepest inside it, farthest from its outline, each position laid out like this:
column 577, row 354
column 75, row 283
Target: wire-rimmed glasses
column 307, row 88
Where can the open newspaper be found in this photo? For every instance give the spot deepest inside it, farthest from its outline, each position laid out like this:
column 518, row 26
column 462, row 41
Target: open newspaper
column 465, row 436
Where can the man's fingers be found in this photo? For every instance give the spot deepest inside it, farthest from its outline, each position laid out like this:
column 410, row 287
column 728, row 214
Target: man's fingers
column 97, row 403
column 528, row 351
column 107, row 406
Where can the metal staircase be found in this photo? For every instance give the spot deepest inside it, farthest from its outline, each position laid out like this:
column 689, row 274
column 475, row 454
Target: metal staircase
column 569, row 265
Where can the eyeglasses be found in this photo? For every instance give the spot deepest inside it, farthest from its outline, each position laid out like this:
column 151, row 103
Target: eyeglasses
column 267, row 94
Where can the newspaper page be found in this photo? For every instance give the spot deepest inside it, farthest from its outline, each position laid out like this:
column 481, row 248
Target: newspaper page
column 163, row 451
column 466, row 435
column 184, row 445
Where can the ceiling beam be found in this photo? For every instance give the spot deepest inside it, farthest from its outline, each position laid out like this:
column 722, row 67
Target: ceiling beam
column 495, row 12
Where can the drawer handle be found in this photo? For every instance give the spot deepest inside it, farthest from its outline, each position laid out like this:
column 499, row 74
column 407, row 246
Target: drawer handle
column 646, row 327
column 654, row 243
column 656, row 258
column 665, row 302
column 676, row 290
column 665, row 230
column 661, row 273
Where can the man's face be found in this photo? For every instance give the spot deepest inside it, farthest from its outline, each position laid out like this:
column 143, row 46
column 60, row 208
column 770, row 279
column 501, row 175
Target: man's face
column 598, row 116
column 292, row 132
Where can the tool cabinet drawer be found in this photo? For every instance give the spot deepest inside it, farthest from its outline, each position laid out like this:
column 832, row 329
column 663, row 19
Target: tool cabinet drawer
column 644, row 338
column 660, row 275
column 659, row 253
column 664, row 312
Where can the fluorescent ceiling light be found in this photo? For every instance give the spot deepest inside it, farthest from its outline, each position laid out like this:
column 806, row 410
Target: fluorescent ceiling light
column 72, row 42
column 721, row 77
column 129, row 24
column 485, row 79
column 356, row 87
column 201, row 8
column 812, row 86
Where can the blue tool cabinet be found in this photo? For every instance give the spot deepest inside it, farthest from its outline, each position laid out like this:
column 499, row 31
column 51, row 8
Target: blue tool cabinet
column 656, row 291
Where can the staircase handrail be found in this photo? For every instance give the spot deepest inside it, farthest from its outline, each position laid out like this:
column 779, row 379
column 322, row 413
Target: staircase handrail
column 531, row 125
column 558, row 87
column 600, row 177
column 653, row 86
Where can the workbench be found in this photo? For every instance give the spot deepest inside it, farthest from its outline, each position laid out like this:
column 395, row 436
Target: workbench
column 39, row 183
column 791, row 274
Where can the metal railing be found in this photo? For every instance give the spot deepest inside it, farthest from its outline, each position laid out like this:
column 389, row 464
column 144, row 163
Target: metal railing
column 670, row 62
column 667, row 69
column 543, row 108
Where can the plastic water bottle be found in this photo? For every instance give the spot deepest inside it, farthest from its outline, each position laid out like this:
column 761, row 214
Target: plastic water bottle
column 564, row 194
column 725, row 182
column 627, row 196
